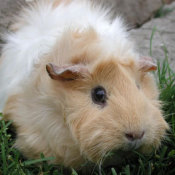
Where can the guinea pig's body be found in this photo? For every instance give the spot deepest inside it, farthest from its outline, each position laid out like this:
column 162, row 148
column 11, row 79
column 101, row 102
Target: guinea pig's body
column 74, row 86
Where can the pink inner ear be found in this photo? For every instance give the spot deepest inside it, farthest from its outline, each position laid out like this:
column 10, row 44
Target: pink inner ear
column 66, row 73
column 146, row 64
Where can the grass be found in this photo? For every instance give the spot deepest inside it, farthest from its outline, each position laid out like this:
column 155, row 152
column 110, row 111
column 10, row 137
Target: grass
column 163, row 11
column 161, row 162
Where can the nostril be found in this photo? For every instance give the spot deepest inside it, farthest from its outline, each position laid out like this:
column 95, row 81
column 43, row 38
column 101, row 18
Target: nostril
column 134, row 136
column 129, row 136
column 141, row 135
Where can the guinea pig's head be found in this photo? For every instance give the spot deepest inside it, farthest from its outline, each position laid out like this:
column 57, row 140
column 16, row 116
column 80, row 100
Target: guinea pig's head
column 108, row 103
column 111, row 106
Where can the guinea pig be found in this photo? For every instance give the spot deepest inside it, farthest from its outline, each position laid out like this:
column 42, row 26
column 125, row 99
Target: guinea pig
column 74, row 85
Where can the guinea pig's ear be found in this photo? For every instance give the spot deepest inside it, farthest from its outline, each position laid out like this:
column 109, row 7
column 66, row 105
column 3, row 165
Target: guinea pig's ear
column 66, row 73
column 146, row 64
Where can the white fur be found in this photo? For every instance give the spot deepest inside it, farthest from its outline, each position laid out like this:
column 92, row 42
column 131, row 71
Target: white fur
column 43, row 26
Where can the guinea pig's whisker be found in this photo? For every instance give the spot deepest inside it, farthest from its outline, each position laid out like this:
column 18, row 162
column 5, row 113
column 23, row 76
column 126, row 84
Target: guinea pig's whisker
column 169, row 115
column 100, row 164
column 97, row 164
column 168, row 134
column 171, row 124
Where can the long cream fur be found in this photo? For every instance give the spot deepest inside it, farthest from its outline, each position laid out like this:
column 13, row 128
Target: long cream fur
column 58, row 117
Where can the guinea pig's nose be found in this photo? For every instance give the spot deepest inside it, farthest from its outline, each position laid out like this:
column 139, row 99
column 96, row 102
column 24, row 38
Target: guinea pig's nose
column 131, row 136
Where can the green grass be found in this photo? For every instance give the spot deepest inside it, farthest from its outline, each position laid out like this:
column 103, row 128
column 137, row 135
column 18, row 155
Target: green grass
column 163, row 11
column 161, row 162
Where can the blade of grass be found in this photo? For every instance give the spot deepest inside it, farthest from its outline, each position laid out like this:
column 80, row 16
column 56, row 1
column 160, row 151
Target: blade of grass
column 151, row 40
column 30, row 162
column 113, row 171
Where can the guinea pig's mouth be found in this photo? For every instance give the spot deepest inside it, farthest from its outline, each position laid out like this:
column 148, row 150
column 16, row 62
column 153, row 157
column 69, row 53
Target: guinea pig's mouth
column 116, row 157
column 134, row 145
column 127, row 149
column 124, row 151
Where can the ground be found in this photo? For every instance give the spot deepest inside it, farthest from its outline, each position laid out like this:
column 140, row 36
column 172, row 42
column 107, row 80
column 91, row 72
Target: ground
column 164, row 36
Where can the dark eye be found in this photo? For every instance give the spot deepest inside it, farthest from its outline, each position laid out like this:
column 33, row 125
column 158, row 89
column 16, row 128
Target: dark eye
column 99, row 95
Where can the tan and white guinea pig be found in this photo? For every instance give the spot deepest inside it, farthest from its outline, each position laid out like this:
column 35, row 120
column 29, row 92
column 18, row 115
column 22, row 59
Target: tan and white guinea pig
column 74, row 86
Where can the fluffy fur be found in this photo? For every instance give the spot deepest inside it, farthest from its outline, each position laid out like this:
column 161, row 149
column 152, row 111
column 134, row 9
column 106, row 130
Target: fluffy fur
column 58, row 117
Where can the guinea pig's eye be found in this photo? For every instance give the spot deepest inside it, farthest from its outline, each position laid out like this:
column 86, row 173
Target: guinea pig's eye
column 99, row 95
